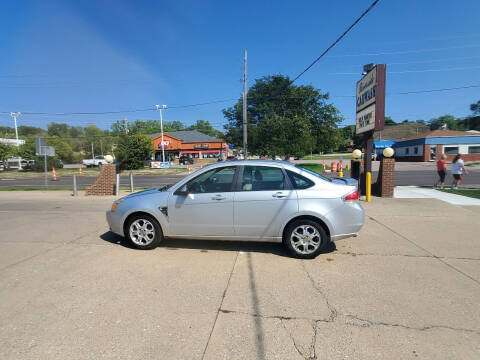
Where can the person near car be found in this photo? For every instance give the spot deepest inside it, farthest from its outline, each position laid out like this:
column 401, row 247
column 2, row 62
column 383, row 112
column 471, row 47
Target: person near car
column 441, row 170
column 458, row 169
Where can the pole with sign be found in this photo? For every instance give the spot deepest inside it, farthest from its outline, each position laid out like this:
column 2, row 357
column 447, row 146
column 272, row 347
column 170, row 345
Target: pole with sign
column 370, row 109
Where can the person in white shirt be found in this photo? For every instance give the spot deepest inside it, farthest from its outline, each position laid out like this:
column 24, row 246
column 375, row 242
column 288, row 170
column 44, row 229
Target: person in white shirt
column 458, row 169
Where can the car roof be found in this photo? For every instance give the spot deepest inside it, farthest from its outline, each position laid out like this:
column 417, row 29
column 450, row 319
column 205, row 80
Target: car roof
column 253, row 163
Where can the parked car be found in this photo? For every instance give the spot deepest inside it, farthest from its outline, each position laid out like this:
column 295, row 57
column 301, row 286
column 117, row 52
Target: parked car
column 97, row 161
column 248, row 200
column 185, row 160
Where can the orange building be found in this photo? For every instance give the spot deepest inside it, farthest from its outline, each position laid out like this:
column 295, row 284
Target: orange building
column 191, row 143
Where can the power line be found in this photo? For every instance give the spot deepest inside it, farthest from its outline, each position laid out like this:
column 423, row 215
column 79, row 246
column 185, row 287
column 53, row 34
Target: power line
column 415, row 71
column 415, row 51
column 337, row 41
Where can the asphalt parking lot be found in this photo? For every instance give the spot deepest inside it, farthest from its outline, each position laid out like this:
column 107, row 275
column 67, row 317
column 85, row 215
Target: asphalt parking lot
column 408, row 287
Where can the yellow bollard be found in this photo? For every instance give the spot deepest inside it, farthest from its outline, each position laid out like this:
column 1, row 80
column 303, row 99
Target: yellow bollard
column 368, row 186
column 340, row 174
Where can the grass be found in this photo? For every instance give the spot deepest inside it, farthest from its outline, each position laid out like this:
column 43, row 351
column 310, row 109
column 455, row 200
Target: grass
column 336, row 156
column 314, row 167
column 473, row 193
column 15, row 174
column 57, row 188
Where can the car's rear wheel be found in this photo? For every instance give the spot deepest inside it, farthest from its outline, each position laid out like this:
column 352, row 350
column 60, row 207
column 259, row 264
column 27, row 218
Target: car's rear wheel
column 305, row 239
column 144, row 232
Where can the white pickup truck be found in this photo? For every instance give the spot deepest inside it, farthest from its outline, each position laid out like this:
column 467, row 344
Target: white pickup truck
column 97, row 161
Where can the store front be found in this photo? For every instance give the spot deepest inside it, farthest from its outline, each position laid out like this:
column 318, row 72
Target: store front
column 192, row 143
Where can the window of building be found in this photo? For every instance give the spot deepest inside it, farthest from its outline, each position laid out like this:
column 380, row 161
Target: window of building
column 262, row 178
column 415, row 150
column 299, row 182
column 450, row 150
column 474, row 149
column 407, row 151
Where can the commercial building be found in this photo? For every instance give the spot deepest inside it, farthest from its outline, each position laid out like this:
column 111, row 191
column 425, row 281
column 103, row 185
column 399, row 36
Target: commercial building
column 192, row 143
column 430, row 145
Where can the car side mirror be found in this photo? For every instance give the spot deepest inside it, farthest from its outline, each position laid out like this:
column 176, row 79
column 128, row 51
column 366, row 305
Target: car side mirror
column 182, row 191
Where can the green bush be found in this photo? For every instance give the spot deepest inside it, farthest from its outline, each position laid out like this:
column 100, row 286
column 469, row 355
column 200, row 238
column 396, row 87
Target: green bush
column 52, row 162
column 133, row 150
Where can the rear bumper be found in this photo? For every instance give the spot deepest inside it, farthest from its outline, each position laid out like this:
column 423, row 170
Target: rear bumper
column 347, row 220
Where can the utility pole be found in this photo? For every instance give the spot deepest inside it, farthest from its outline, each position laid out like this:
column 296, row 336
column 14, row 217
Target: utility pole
column 245, row 104
column 101, row 146
column 93, row 156
column 15, row 115
column 161, row 128
column 125, row 125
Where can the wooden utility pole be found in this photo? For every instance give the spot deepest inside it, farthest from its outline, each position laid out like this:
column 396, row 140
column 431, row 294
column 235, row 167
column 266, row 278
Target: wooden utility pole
column 245, row 104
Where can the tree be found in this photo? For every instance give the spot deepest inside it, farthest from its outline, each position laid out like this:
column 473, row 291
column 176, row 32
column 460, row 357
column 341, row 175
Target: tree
column 448, row 120
column 475, row 108
column 389, row 121
column 62, row 149
column 133, row 150
column 6, row 151
column 206, row 128
column 27, row 150
column 284, row 119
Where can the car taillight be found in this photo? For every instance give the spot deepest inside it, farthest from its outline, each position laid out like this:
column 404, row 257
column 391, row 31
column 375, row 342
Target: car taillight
column 352, row 196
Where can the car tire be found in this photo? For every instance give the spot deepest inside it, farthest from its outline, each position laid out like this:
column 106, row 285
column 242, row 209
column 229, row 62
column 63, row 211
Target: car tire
column 305, row 239
column 143, row 232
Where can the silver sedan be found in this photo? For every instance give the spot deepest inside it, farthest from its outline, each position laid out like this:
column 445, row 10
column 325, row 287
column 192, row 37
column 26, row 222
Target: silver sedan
column 249, row 200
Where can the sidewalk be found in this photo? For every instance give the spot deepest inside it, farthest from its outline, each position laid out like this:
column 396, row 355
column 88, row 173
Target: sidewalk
column 415, row 192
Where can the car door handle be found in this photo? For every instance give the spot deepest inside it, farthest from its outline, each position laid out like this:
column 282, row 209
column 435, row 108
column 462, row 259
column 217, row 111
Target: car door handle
column 279, row 195
column 218, row 197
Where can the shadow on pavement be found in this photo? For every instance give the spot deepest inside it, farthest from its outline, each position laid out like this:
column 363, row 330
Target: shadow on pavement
column 246, row 246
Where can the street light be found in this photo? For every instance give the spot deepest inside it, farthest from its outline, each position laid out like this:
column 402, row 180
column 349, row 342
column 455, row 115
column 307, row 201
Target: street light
column 160, row 109
column 15, row 115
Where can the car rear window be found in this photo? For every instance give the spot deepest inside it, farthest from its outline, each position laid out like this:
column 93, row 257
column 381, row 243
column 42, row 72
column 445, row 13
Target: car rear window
column 313, row 173
column 299, row 182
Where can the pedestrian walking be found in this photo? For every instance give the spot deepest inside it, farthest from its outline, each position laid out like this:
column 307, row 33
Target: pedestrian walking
column 441, row 170
column 458, row 169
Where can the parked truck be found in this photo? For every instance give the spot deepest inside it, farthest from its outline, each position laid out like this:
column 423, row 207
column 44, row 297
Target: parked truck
column 97, row 161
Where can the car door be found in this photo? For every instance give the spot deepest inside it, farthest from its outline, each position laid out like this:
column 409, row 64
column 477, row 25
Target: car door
column 263, row 201
column 207, row 209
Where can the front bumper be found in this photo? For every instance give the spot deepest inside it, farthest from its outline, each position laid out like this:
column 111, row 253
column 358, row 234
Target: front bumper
column 115, row 222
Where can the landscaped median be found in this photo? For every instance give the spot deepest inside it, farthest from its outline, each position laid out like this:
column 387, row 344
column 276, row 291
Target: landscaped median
column 473, row 193
column 69, row 172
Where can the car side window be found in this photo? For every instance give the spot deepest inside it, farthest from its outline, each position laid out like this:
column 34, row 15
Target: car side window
column 298, row 181
column 215, row 180
column 262, row 178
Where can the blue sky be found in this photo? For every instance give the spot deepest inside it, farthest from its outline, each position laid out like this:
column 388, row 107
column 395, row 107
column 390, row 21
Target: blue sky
column 94, row 56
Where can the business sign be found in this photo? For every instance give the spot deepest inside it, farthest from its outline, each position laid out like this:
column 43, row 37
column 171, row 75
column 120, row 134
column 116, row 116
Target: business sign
column 370, row 100
column 12, row 141
column 159, row 164
column 366, row 119
column 201, row 146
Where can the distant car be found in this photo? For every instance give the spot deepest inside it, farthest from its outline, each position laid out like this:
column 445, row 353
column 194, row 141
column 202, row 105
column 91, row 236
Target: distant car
column 231, row 158
column 250, row 200
column 97, row 161
column 185, row 160
column 2, row 167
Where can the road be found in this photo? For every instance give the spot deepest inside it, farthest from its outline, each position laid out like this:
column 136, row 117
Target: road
column 402, row 178
column 403, row 289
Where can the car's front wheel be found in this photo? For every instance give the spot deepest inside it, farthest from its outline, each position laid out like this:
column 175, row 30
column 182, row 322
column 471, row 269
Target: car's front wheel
column 144, row 232
column 305, row 239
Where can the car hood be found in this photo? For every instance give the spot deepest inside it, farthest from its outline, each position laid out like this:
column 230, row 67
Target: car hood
column 147, row 192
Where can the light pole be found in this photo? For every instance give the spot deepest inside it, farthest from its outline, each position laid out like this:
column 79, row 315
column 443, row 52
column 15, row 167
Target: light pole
column 15, row 115
column 160, row 108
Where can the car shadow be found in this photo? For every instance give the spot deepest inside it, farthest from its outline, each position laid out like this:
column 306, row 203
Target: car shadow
column 214, row 245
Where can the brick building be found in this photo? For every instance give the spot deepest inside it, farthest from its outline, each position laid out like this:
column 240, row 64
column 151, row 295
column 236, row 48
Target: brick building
column 430, row 145
column 192, row 143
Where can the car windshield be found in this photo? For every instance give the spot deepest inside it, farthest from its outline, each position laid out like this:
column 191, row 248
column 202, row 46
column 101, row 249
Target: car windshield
column 313, row 173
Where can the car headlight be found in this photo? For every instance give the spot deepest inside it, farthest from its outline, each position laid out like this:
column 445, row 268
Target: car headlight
column 115, row 204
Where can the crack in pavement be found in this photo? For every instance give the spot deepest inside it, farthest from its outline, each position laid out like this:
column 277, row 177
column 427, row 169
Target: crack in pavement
column 333, row 311
column 293, row 340
column 220, row 307
column 422, row 248
column 406, row 255
column 381, row 323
